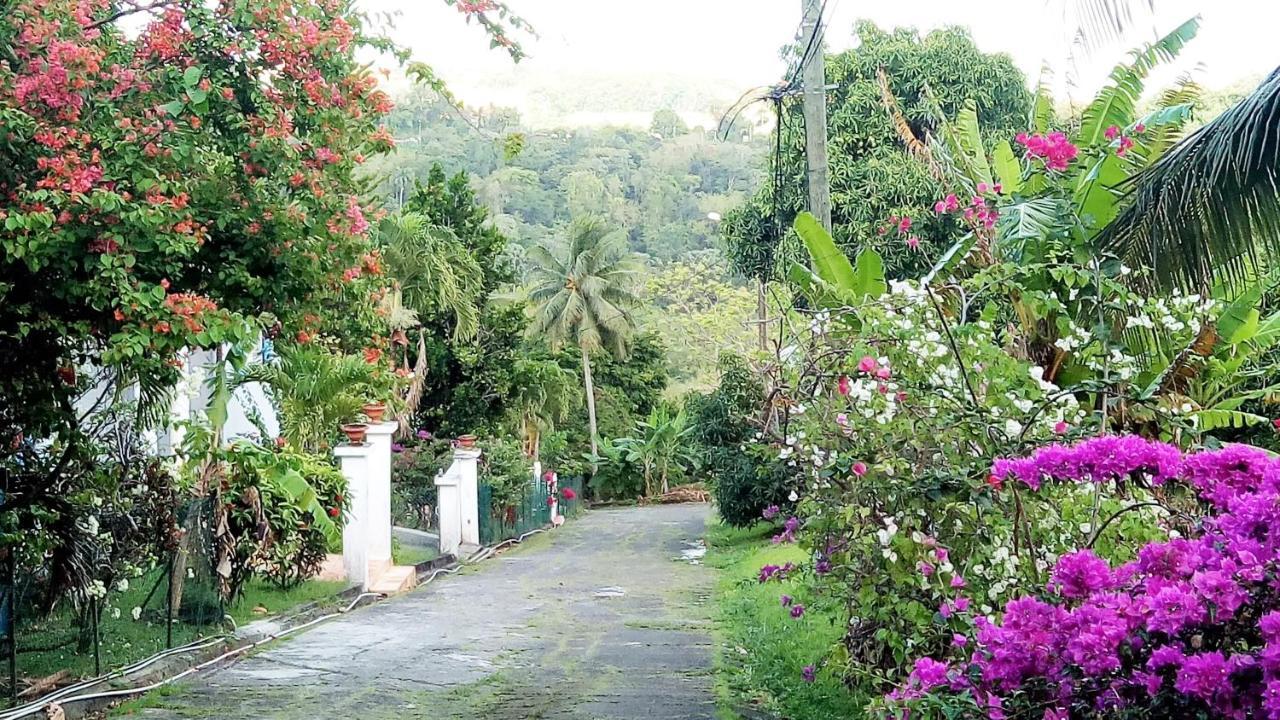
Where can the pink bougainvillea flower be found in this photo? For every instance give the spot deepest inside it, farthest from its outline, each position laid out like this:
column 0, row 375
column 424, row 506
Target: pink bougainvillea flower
column 1125, row 144
column 859, row 468
column 957, row 581
column 1276, row 423
column 842, row 385
column 939, row 207
column 904, row 224
column 883, row 372
column 913, row 242
column 1139, row 129
column 842, row 419
column 982, row 187
column 1111, row 133
column 1061, row 427
column 926, row 569
column 867, row 364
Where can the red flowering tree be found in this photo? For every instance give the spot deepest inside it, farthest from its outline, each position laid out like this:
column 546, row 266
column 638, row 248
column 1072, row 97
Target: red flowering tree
column 173, row 174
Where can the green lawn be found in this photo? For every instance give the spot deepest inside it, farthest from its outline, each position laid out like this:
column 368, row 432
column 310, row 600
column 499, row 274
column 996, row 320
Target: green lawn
column 402, row 554
column 762, row 649
column 50, row 645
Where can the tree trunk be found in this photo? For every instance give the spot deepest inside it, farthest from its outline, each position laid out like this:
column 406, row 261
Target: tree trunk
column 762, row 317
column 591, row 405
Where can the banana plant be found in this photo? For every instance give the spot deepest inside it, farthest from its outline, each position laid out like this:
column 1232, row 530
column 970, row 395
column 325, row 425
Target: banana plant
column 832, row 281
column 1232, row 352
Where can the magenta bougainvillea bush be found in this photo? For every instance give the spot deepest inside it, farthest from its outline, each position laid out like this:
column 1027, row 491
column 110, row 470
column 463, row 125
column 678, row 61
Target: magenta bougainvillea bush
column 1189, row 628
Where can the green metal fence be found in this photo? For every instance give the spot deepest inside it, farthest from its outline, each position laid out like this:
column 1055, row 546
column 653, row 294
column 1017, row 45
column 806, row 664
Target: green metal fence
column 501, row 520
column 48, row 634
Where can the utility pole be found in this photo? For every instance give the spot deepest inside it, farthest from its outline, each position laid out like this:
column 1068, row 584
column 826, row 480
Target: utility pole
column 814, row 79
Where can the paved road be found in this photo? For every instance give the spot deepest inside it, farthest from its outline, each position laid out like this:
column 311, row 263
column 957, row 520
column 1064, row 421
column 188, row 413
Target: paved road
column 599, row 619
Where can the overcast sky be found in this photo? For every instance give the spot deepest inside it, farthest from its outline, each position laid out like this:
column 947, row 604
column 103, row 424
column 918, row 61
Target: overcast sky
column 737, row 41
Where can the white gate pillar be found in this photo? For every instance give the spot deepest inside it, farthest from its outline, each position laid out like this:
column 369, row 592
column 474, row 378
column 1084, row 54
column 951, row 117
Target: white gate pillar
column 467, row 462
column 457, row 502
column 379, row 507
column 355, row 462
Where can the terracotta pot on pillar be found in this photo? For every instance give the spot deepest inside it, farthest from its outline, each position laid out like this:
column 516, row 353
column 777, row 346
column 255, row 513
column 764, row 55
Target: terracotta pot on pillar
column 466, row 442
column 374, row 411
column 355, row 432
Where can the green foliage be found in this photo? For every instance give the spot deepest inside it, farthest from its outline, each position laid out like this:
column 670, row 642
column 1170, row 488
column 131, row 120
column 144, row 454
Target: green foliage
column 1207, row 209
column 434, row 271
column 276, row 513
column 314, row 390
column 873, row 176
column 545, row 394
column 584, row 297
column 834, row 281
column 659, row 189
column 724, row 424
column 658, row 445
column 466, row 378
column 700, row 312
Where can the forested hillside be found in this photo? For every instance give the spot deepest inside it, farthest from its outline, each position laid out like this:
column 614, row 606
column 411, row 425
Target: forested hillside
column 664, row 187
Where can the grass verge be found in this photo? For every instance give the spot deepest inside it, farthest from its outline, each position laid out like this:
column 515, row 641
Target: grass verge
column 762, row 649
column 52, row 645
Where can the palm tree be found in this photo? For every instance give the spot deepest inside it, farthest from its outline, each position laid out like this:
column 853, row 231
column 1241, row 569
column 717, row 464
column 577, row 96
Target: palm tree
column 313, row 390
column 434, row 273
column 1206, row 208
column 544, row 396
column 584, row 298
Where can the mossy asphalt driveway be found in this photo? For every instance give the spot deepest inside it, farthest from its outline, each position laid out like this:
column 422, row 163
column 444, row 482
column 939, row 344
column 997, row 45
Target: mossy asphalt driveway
column 601, row 618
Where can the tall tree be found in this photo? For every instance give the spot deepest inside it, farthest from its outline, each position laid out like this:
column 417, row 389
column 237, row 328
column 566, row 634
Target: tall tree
column 873, row 175
column 584, row 298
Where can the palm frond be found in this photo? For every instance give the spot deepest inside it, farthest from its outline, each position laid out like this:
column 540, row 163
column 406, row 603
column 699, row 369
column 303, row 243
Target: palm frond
column 1099, row 22
column 1211, row 206
column 1117, row 103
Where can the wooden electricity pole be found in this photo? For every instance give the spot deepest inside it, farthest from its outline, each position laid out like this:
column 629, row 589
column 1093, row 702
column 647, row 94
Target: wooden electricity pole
column 814, row 79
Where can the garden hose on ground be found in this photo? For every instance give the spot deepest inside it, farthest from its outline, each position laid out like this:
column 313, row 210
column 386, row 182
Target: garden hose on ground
column 65, row 695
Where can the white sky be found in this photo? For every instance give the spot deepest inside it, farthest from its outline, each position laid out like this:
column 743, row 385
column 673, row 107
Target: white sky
column 735, row 42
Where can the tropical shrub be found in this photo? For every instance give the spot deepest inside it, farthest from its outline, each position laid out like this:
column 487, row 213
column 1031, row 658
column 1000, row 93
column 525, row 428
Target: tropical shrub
column 724, row 427
column 1189, row 628
column 273, row 511
column 415, row 462
column 659, row 446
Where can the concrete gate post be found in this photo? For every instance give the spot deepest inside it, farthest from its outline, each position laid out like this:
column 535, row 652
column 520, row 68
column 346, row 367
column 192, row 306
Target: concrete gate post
column 355, row 462
column 467, row 461
column 457, row 502
column 378, row 508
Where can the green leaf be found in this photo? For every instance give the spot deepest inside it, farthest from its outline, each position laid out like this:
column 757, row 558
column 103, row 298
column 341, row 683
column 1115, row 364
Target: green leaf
column 829, row 262
column 197, row 95
column 952, row 257
column 869, row 275
column 969, row 137
column 1213, row 419
column 1268, row 332
column 191, row 76
column 173, row 108
column 1116, row 103
column 1007, row 168
column 1239, row 321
